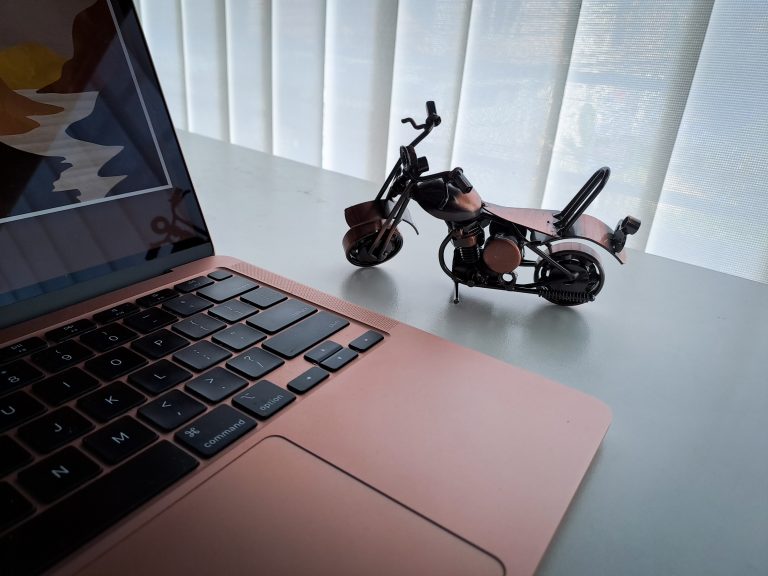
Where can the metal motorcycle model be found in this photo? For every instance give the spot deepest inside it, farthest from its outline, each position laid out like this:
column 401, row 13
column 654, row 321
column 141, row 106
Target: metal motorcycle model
column 490, row 242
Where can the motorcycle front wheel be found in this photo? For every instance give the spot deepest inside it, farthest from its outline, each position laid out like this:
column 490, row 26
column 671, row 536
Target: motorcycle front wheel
column 359, row 239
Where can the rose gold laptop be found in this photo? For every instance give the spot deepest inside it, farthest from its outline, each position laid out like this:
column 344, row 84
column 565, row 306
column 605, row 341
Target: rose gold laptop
column 164, row 410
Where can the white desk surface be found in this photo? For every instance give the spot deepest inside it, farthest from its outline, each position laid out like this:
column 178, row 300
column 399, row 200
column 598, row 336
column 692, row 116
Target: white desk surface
column 680, row 353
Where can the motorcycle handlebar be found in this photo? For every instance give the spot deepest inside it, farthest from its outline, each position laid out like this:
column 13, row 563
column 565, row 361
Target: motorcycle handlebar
column 432, row 117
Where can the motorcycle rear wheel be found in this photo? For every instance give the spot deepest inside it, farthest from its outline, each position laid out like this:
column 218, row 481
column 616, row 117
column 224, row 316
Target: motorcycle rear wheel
column 558, row 288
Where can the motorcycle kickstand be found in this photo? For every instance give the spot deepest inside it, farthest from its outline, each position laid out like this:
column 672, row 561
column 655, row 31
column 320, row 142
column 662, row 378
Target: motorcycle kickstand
column 456, row 292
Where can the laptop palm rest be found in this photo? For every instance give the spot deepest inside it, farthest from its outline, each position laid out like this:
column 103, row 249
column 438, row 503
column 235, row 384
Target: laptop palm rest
column 280, row 510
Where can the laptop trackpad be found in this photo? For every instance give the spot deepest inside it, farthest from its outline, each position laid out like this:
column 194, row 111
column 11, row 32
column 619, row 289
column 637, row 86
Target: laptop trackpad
column 280, row 510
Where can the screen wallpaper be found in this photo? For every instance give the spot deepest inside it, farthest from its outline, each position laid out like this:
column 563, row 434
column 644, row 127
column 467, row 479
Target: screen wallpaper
column 94, row 192
column 69, row 104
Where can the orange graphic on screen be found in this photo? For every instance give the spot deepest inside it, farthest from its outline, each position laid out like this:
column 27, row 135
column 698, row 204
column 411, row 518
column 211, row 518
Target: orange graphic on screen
column 69, row 102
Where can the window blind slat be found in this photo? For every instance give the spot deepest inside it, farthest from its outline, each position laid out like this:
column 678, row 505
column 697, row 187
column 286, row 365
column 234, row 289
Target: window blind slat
column 515, row 70
column 629, row 78
column 161, row 20
column 713, row 209
column 359, row 53
column 204, row 45
column 249, row 66
column 429, row 60
column 534, row 94
column 298, row 40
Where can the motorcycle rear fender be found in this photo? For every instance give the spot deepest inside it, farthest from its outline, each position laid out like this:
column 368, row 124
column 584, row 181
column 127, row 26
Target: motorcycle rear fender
column 372, row 211
column 542, row 221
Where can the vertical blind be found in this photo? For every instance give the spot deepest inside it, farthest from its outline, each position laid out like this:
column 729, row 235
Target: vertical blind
column 534, row 94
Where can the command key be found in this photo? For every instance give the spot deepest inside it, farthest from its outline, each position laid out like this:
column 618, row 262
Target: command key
column 214, row 431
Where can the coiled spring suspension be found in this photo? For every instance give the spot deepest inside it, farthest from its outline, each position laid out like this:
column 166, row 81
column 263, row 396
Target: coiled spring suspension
column 467, row 242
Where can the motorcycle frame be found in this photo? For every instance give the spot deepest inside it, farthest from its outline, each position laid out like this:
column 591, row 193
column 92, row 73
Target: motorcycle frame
column 463, row 208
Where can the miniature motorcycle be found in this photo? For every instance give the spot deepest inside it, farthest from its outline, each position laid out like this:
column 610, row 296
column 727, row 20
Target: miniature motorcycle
column 489, row 241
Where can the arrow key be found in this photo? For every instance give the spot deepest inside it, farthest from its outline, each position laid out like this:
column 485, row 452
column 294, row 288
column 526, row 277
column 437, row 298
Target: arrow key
column 171, row 410
column 307, row 380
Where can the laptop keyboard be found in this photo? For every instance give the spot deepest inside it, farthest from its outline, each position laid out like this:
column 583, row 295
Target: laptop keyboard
column 104, row 413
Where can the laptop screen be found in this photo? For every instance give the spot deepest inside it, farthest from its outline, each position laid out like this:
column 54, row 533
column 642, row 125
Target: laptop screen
column 94, row 193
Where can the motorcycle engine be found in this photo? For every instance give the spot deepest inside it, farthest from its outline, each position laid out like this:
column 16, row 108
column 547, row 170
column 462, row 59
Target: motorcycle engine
column 502, row 254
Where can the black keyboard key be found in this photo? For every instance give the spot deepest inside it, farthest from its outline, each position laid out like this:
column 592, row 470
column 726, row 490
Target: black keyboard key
column 119, row 440
column 366, row 341
column 61, row 356
column 263, row 399
column 294, row 340
column 61, row 388
column 108, row 337
column 193, row 284
column 201, row 356
column 264, row 297
column 110, row 401
column 53, row 430
column 233, row 311
column 50, row 479
column 199, row 326
column 17, row 408
column 187, row 305
column 171, row 410
column 13, row 506
column 16, row 375
column 62, row 528
column 339, row 359
column 307, row 380
column 73, row 329
column 156, row 298
column 214, row 431
column 239, row 337
column 220, row 275
column 281, row 316
column 115, row 364
column 12, row 456
column 159, row 377
column 216, row 385
column 227, row 289
column 116, row 313
column 21, row 349
column 255, row 363
column 149, row 320
column 322, row 351
column 159, row 344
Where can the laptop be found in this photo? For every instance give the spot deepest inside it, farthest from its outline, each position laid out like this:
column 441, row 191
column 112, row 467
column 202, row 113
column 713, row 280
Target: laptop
column 165, row 410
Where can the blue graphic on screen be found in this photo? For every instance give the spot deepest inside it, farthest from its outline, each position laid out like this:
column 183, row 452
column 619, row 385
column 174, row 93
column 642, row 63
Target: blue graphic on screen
column 68, row 108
